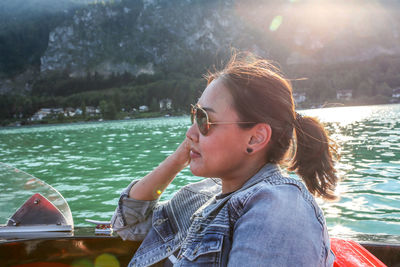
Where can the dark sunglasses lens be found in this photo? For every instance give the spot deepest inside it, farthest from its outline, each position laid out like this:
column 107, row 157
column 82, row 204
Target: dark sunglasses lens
column 201, row 120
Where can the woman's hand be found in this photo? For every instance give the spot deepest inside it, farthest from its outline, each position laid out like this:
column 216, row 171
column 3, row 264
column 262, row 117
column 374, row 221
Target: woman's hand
column 153, row 184
column 181, row 156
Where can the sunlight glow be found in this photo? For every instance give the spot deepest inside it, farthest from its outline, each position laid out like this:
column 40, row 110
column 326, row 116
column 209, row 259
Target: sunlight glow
column 311, row 27
column 276, row 23
column 342, row 115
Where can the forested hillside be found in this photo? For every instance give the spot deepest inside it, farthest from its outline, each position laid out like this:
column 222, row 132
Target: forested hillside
column 136, row 52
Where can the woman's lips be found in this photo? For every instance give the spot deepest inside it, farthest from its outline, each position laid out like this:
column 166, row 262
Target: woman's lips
column 194, row 154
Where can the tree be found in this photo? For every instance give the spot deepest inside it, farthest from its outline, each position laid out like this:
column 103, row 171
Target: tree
column 60, row 117
column 108, row 110
column 154, row 105
column 116, row 99
column 103, row 108
column 384, row 89
column 111, row 111
column 364, row 89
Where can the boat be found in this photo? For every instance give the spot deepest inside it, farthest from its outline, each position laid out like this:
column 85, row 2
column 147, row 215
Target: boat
column 41, row 233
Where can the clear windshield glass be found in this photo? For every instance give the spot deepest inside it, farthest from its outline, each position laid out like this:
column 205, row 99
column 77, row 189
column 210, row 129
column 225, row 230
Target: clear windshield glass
column 16, row 187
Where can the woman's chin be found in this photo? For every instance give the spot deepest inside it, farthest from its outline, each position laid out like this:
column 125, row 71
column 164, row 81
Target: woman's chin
column 193, row 169
column 196, row 169
column 199, row 171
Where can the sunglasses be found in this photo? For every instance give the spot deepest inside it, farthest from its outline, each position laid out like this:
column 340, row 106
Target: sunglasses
column 200, row 116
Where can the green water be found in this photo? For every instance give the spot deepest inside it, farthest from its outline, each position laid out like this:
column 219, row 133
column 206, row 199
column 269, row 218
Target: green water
column 91, row 163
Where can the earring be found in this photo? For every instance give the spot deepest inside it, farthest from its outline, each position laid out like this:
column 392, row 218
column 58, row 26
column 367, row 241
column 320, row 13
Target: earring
column 249, row 150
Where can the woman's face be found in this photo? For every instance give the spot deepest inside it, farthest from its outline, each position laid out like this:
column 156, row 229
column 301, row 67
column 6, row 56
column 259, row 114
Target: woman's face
column 222, row 151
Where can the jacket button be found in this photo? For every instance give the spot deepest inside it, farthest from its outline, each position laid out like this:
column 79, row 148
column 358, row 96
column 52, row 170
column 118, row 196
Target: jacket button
column 197, row 227
column 159, row 221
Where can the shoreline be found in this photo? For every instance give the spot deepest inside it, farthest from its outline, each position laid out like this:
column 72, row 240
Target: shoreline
column 147, row 115
column 151, row 115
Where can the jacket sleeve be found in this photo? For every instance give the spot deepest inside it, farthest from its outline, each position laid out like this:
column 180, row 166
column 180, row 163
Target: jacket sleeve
column 132, row 218
column 277, row 228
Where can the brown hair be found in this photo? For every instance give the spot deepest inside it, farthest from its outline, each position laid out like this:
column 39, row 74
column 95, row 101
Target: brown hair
column 261, row 93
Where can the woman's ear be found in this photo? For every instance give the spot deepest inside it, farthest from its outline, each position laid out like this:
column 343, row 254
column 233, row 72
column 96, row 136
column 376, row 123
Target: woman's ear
column 260, row 135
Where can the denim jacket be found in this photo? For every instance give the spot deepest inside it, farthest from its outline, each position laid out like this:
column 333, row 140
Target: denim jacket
column 270, row 221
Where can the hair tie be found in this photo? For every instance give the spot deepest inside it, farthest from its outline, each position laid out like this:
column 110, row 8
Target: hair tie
column 298, row 116
column 297, row 121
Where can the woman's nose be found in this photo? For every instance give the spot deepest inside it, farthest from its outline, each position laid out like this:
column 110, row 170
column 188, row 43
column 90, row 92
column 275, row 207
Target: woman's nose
column 193, row 133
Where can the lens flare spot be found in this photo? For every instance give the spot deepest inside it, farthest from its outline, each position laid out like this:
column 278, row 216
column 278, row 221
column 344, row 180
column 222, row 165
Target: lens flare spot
column 106, row 260
column 276, row 23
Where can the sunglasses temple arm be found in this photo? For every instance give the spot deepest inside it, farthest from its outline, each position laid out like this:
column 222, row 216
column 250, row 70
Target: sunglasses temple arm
column 240, row 122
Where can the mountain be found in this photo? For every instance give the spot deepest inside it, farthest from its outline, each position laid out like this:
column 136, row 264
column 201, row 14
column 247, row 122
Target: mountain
column 186, row 36
column 138, row 36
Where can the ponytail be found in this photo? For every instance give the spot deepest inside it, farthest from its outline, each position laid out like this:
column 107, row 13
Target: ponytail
column 313, row 160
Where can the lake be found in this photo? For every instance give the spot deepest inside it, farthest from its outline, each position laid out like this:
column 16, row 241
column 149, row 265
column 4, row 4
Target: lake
column 90, row 163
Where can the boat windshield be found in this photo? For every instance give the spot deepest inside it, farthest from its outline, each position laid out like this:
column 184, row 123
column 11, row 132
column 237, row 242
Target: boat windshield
column 17, row 187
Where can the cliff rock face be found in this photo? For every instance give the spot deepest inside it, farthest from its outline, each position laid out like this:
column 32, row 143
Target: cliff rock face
column 137, row 36
column 134, row 36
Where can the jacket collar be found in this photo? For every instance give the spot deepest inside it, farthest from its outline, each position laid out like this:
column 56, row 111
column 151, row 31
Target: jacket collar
column 267, row 171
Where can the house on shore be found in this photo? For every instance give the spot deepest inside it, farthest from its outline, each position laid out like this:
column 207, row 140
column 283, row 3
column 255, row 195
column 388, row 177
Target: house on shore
column 165, row 104
column 143, row 108
column 299, row 97
column 41, row 114
column 57, row 111
column 396, row 93
column 78, row 111
column 44, row 112
column 344, row 94
column 69, row 112
column 92, row 111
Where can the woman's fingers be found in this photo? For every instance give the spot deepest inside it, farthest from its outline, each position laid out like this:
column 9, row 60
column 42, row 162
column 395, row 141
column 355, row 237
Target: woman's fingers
column 182, row 153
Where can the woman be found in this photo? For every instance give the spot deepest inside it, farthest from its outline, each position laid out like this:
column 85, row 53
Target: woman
column 242, row 127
